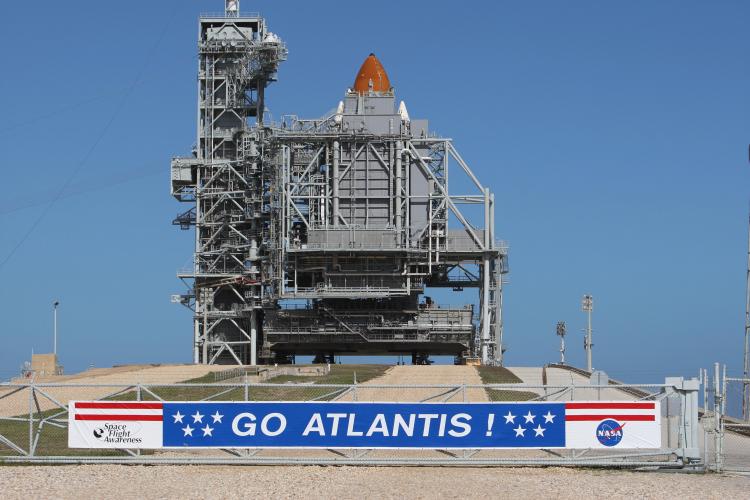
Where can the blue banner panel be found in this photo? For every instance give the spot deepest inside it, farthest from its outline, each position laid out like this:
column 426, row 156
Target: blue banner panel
column 363, row 425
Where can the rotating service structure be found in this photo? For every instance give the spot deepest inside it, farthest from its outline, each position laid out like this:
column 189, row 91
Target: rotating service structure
column 321, row 237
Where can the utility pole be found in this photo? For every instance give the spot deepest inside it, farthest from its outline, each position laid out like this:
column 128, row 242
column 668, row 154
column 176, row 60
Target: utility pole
column 561, row 330
column 746, row 358
column 54, row 328
column 587, row 306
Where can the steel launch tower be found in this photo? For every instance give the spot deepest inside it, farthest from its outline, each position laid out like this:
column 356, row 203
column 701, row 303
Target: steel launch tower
column 322, row 236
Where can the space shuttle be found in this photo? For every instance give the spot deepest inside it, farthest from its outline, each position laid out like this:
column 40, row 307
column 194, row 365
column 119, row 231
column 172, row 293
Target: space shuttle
column 369, row 105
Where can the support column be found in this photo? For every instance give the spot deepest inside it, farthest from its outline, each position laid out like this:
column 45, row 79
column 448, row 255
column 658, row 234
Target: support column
column 196, row 341
column 254, row 337
column 485, row 310
column 205, row 293
column 397, row 194
column 335, row 181
column 499, row 318
column 486, row 270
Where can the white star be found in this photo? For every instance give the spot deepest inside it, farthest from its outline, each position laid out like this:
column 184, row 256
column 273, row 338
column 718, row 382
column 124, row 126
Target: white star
column 197, row 417
column 519, row 431
column 207, row 431
column 510, row 418
column 188, row 430
column 529, row 417
column 549, row 418
column 217, row 417
column 539, row 431
column 178, row 417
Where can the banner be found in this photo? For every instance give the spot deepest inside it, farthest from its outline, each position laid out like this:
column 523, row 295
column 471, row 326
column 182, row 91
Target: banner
column 579, row 424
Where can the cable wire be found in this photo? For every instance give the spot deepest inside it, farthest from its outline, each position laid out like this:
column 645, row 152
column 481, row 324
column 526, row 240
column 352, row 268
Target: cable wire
column 98, row 139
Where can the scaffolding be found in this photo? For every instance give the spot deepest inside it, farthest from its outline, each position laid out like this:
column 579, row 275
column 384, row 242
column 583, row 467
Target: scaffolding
column 321, row 236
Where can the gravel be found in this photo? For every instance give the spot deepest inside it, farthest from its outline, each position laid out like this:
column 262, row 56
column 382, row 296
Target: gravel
column 122, row 481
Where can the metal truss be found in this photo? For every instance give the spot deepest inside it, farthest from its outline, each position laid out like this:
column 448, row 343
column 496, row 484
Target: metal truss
column 356, row 224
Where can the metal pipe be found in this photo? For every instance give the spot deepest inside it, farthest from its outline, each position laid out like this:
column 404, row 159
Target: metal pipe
column 254, row 337
column 335, row 182
column 399, row 153
column 54, row 328
column 718, row 454
column 196, row 341
column 499, row 333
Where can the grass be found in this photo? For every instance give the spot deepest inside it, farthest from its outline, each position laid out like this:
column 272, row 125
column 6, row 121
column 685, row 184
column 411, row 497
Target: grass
column 339, row 374
column 497, row 375
column 53, row 441
column 300, row 387
column 501, row 375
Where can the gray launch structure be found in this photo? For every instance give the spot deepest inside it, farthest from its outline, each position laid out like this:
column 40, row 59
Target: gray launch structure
column 320, row 237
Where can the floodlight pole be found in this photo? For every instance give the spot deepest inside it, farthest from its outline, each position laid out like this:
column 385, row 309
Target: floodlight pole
column 54, row 329
column 587, row 305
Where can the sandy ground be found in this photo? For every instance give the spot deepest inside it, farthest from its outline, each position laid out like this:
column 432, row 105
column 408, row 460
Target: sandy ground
column 559, row 377
column 116, row 482
column 18, row 403
column 422, row 375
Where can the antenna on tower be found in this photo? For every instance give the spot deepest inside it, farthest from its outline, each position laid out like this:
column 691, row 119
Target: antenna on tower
column 232, row 8
column 560, row 330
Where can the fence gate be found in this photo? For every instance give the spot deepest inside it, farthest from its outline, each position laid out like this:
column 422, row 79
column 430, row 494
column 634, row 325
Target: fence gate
column 34, row 422
column 733, row 427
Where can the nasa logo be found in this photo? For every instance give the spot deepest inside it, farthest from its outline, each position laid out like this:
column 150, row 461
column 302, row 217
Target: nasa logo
column 609, row 432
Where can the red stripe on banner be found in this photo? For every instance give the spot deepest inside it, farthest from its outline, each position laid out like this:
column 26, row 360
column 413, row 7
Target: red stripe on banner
column 151, row 418
column 120, row 406
column 594, row 418
column 605, row 406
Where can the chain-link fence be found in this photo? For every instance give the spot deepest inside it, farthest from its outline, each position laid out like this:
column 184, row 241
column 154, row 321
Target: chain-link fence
column 731, row 431
column 34, row 423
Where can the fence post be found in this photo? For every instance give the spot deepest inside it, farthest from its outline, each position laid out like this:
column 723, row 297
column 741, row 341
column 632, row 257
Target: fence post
column 718, row 437
column 246, row 388
column 31, row 418
column 724, row 390
column 705, row 384
column 688, row 423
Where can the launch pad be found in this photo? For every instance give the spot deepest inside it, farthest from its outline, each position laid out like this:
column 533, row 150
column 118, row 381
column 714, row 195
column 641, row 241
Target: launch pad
column 322, row 236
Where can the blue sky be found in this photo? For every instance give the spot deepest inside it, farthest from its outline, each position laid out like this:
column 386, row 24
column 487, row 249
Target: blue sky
column 614, row 135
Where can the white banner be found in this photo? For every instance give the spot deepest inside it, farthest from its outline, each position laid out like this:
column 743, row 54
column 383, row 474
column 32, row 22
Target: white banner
column 221, row 424
column 114, row 424
column 612, row 424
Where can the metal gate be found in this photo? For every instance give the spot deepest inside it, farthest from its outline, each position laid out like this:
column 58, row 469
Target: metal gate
column 34, row 420
column 728, row 422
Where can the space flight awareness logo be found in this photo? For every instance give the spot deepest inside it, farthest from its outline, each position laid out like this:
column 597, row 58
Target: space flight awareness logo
column 316, row 424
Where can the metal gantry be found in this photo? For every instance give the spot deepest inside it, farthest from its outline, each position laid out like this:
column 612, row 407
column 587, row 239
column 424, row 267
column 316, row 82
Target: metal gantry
column 322, row 236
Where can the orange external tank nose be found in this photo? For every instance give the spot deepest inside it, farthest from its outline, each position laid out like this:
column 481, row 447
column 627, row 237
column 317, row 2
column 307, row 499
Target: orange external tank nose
column 371, row 77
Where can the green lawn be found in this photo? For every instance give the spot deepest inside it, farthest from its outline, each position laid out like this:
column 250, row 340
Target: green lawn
column 294, row 388
column 54, row 440
column 501, row 375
